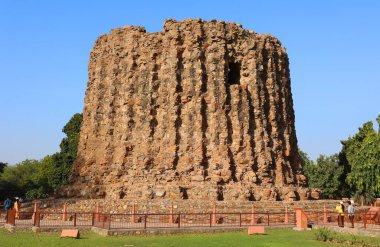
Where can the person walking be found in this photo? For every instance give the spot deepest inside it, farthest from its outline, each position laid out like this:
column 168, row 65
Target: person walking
column 7, row 205
column 351, row 213
column 340, row 209
column 17, row 207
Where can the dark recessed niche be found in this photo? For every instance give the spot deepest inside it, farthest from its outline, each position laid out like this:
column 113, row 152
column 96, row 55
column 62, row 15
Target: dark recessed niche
column 233, row 73
column 219, row 194
column 183, row 191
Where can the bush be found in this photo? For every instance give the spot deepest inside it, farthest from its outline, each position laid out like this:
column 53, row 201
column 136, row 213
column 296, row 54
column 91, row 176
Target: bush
column 324, row 234
column 327, row 235
column 36, row 194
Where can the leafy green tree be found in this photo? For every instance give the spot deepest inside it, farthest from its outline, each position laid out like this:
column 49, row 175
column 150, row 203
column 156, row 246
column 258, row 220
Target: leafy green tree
column 346, row 188
column 29, row 178
column 307, row 164
column 43, row 179
column 45, row 173
column 327, row 176
column 362, row 153
column 17, row 180
column 63, row 161
column 38, row 179
column 2, row 166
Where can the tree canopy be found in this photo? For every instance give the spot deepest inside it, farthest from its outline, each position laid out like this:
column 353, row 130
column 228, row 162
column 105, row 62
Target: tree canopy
column 354, row 172
column 2, row 166
column 362, row 154
column 327, row 174
column 39, row 178
column 63, row 161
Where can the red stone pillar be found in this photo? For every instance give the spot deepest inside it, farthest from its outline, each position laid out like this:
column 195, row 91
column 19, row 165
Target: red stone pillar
column 133, row 213
column 301, row 218
column 11, row 220
column 324, row 214
column 286, row 221
column 214, row 214
column 64, row 214
column 171, row 221
column 253, row 221
column 97, row 211
column 35, row 210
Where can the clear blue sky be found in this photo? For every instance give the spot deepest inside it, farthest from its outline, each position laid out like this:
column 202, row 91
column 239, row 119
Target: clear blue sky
column 333, row 46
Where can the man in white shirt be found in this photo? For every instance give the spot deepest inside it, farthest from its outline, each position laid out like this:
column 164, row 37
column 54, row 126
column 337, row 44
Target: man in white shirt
column 351, row 213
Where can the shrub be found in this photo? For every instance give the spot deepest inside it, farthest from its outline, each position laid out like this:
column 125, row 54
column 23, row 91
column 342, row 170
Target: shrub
column 36, row 194
column 324, row 234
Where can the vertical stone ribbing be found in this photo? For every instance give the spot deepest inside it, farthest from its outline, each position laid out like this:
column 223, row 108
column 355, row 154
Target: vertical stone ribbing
column 200, row 110
column 248, row 81
column 282, row 80
column 178, row 92
column 274, row 117
column 201, row 92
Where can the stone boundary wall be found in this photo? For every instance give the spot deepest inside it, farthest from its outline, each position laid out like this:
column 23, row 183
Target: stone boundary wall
column 185, row 206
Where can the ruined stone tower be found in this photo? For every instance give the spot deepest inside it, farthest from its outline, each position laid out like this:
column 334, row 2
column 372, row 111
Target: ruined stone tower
column 201, row 110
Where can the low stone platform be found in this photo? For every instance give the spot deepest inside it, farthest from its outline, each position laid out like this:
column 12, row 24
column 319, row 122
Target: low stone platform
column 136, row 232
column 12, row 228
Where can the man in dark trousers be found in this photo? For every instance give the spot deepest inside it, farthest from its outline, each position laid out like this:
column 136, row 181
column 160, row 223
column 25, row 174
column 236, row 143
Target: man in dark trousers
column 351, row 213
column 7, row 205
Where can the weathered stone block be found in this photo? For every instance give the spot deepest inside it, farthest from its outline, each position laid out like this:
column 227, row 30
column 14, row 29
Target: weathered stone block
column 70, row 233
column 256, row 230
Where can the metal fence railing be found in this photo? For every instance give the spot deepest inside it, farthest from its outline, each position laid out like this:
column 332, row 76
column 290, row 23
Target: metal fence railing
column 47, row 219
column 192, row 220
column 363, row 219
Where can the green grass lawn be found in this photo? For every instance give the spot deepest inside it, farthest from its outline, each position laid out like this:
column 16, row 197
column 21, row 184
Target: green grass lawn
column 274, row 237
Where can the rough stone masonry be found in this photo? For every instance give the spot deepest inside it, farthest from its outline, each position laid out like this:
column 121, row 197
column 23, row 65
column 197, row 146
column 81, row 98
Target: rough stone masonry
column 201, row 110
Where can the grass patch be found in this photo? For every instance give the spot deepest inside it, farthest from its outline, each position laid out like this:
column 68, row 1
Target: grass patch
column 273, row 238
column 327, row 235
